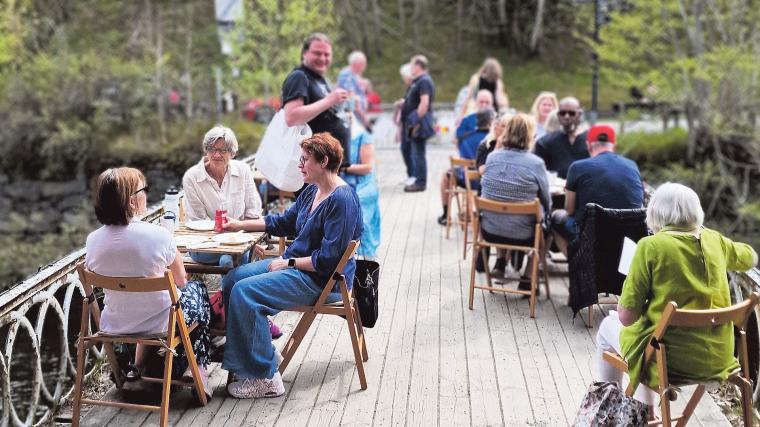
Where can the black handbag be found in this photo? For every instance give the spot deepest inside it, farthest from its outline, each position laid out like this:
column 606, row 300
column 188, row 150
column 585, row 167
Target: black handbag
column 366, row 279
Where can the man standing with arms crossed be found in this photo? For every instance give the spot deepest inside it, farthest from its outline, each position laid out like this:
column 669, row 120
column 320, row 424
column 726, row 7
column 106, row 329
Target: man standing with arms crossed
column 308, row 98
column 417, row 119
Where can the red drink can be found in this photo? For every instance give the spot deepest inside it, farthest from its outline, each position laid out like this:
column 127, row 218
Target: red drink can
column 220, row 217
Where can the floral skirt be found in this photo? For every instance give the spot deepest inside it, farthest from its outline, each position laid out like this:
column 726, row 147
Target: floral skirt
column 196, row 308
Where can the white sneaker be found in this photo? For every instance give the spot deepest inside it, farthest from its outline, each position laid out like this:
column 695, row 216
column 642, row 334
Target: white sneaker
column 255, row 388
column 511, row 273
column 218, row 341
column 204, row 372
column 411, row 180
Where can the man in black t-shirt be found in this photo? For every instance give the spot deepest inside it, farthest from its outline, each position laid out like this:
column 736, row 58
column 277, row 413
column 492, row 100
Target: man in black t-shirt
column 417, row 119
column 308, row 98
column 561, row 148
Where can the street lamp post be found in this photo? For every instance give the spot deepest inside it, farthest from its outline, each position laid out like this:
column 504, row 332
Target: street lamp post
column 594, row 113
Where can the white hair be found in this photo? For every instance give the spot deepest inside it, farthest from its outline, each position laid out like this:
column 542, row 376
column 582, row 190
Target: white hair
column 406, row 71
column 674, row 205
column 356, row 56
column 220, row 132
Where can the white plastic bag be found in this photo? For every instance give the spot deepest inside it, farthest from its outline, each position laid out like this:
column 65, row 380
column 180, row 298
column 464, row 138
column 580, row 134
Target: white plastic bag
column 279, row 153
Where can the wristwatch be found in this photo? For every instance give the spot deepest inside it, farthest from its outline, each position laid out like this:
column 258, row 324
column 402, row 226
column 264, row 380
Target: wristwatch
column 291, row 262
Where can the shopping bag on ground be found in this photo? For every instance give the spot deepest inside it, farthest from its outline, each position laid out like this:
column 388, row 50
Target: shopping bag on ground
column 606, row 405
column 279, row 153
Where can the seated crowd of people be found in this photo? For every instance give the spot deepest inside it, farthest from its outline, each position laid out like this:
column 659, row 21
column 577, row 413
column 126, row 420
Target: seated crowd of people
column 337, row 204
column 520, row 158
column 682, row 261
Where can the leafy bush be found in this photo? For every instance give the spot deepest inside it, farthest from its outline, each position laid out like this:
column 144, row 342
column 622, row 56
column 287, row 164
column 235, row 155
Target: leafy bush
column 654, row 148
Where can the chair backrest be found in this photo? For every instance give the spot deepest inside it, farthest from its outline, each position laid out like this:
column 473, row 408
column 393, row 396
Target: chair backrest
column 594, row 257
column 461, row 163
column 93, row 280
column 470, row 175
column 510, row 208
column 338, row 272
column 738, row 313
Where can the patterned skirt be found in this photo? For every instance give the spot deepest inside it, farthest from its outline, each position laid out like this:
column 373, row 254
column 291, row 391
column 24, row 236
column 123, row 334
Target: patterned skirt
column 196, row 308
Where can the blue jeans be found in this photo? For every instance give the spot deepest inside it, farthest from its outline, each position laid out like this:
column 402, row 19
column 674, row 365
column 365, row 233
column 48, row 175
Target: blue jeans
column 406, row 153
column 420, row 163
column 224, row 260
column 251, row 293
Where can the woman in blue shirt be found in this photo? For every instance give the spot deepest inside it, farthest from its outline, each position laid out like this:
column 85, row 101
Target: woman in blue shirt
column 360, row 175
column 325, row 218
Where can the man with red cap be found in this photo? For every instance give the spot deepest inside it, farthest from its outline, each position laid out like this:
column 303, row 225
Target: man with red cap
column 606, row 178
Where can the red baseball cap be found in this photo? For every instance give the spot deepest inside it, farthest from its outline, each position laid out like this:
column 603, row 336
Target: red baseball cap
column 601, row 133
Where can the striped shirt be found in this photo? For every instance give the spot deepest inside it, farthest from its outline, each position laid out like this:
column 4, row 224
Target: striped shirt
column 514, row 176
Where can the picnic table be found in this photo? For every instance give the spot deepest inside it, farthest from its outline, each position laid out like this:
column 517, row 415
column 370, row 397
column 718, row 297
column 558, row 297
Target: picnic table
column 211, row 242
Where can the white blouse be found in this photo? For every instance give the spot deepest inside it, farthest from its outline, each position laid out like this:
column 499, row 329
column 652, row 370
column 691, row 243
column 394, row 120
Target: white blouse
column 238, row 193
column 139, row 249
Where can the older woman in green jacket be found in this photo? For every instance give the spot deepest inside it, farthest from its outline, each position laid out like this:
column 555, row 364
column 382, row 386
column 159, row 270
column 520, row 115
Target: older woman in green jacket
column 682, row 262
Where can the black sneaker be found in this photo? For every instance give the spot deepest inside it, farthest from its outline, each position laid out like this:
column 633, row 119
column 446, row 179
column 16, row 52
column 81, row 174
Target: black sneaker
column 414, row 188
column 442, row 219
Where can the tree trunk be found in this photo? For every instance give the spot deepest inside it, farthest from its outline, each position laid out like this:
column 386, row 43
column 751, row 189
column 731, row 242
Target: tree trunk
column 188, row 61
column 401, row 16
column 159, row 76
column 377, row 17
column 538, row 24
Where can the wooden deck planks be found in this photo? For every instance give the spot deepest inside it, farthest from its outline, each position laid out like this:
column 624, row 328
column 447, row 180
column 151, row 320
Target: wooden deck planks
column 432, row 360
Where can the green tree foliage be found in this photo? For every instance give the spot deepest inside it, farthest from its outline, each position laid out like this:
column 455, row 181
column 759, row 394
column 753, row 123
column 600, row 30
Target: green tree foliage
column 77, row 76
column 702, row 57
column 267, row 43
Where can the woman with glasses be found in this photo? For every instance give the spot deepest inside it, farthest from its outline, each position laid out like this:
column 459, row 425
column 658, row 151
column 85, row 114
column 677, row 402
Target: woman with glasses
column 325, row 217
column 219, row 182
column 125, row 246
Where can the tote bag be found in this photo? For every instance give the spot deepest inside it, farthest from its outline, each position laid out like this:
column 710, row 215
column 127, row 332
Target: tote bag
column 279, row 153
column 606, row 405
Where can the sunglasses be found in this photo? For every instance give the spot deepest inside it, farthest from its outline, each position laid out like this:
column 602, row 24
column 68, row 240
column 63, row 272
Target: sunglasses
column 146, row 189
column 570, row 113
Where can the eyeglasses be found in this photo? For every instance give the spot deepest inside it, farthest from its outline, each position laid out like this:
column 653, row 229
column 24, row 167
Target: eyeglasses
column 220, row 151
column 146, row 189
column 302, row 160
column 570, row 113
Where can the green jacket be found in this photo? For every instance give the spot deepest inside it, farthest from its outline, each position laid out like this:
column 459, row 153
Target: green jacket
column 671, row 266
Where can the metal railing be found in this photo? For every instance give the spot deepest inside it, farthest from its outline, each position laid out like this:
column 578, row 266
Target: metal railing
column 52, row 296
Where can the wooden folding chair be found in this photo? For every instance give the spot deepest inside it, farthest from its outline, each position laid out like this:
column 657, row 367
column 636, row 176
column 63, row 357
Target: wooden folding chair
column 346, row 308
column 469, row 206
column 537, row 251
column 738, row 314
column 456, row 193
column 177, row 333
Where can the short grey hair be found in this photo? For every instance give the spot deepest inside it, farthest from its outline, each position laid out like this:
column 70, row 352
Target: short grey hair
column 356, row 56
column 406, row 71
column 674, row 205
column 220, row 132
column 570, row 100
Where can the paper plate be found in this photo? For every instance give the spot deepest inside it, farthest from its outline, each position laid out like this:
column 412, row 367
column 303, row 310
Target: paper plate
column 232, row 238
column 201, row 225
column 202, row 245
column 187, row 240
